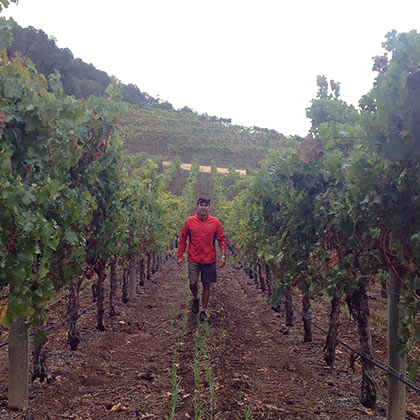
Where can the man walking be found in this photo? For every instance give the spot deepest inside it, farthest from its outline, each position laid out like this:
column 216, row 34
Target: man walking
column 202, row 231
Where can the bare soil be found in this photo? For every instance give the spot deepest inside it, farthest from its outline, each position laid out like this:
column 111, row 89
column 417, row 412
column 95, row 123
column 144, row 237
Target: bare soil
column 256, row 367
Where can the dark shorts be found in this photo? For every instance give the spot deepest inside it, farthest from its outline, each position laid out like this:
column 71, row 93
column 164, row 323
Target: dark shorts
column 208, row 272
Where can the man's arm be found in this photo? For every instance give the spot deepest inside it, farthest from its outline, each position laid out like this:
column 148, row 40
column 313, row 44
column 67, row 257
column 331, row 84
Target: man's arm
column 182, row 244
column 221, row 240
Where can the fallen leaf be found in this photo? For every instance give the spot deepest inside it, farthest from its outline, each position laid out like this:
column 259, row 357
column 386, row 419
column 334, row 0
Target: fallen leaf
column 119, row 407
column 367, row 411
column 147, row 416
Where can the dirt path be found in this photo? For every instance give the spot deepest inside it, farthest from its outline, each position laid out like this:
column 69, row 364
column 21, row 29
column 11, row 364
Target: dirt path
column 241, row 364
column 269, row 369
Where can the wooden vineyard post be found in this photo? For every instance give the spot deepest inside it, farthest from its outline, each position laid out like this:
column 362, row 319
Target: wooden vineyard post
column 132, row 282
column 289, row 307
column 396, row 360
column 18, row 365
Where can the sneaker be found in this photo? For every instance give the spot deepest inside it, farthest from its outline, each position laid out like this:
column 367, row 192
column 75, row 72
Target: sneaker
column 195, row 306
column 203, row 316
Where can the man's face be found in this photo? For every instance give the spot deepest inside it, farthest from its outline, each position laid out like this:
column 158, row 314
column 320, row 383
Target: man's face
column 203, row 209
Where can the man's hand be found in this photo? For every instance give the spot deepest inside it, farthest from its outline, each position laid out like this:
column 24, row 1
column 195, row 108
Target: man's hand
column 180, row 262
column 223, row 262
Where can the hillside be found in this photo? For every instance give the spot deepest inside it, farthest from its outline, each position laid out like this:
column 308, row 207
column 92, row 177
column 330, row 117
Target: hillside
column 188, row 135
column 152, row 125
column 79, row 79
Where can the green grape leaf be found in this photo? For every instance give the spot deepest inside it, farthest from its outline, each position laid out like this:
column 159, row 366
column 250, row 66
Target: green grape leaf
column 27, row 198
column 71, row 237
column 413, row 369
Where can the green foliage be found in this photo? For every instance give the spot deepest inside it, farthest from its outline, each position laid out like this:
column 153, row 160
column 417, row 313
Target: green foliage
column 68, row 197
column 413, row 371
column 187, row 198
column 6, row 3
column 5, row 33
column 342, row 207
column 392, row 123
column 55, row 154
column 181, row 133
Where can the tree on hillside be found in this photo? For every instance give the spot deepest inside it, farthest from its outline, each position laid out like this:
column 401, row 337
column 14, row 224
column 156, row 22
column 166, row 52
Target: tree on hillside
column 78, row 78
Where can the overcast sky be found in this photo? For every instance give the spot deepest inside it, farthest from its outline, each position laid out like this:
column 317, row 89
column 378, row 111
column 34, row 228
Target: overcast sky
column 253, row 61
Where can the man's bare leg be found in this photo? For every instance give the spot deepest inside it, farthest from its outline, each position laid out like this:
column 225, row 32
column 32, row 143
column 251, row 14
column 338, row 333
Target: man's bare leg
column 196, row 304
column 205, row 296
column 194, row 289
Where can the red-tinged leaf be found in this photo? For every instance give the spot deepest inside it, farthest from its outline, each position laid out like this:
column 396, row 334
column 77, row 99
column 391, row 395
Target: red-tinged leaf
column 2, row 116
column 310, row 149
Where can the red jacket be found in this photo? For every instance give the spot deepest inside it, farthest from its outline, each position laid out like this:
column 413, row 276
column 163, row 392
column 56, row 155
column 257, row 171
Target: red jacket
column 202, row 237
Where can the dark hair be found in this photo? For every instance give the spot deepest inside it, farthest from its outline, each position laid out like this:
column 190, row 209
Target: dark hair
column 203, row 200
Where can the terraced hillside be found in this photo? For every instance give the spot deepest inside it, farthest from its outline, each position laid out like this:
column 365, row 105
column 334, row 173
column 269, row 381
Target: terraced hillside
column 208, row 139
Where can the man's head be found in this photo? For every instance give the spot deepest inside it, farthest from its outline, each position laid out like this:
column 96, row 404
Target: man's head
column 203, row 200
column 203, row 207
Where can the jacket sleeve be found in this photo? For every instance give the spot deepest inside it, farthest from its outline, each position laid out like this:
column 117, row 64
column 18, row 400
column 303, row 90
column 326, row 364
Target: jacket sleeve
column 182, row 244
column 220, row 236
